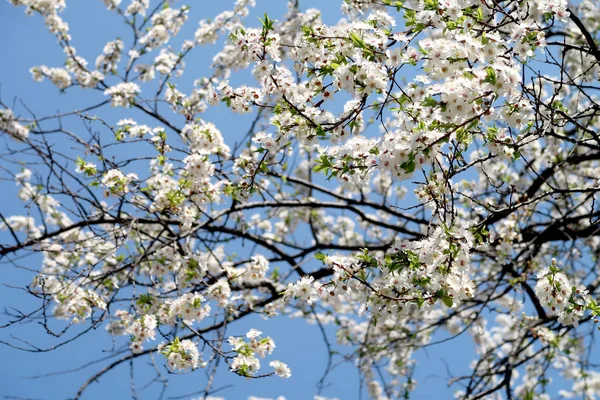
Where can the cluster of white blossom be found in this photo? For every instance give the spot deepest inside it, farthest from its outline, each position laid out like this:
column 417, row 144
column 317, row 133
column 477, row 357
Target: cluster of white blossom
column 165, row 24
column 239, row 100
column 111, row 55
column 152, row 312
column 20, row 223
column 209, row 30
column 414, row 275
column 190, row 307
column 112, row 4
column 72, row 302
column 556, row 7
column 135, row 7
column 59, row 76
column 246, row 363
column 182, row 355
column 166, row 62
column 77, row 66
column 135, row 130
column 140, row 329
column 123, row 94
column 204, row 137
column 10, row 124
column 555, row 291
column 116, row 182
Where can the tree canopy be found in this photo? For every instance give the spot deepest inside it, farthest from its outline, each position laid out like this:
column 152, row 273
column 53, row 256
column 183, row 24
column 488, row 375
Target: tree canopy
column 418, row 172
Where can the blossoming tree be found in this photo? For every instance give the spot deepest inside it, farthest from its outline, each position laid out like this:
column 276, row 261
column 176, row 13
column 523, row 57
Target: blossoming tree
column 419, row 171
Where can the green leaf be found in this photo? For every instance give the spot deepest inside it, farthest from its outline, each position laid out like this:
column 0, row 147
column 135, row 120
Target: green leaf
column 320, row 256
column 447, row 301
column 479, row 14
column 429, row 102
column 409, row 166
column 267, row 24
column 491, row 75
column 357, row 40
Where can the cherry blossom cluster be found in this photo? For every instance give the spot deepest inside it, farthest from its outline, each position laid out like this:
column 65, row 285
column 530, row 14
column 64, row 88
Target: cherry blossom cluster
column 10, row 124
column 123, row 94
column 246, row 363
column 182, row 355
column 555, row 291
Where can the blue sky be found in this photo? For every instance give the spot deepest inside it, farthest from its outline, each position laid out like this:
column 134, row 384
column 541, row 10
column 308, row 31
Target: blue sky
column 25, row 44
